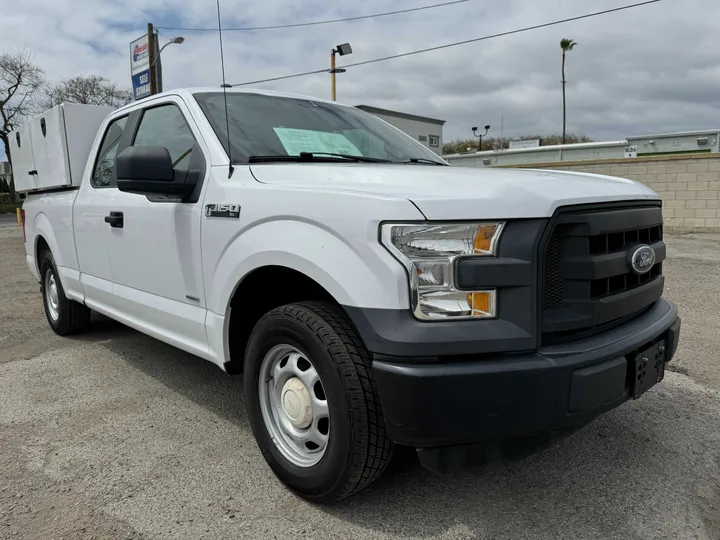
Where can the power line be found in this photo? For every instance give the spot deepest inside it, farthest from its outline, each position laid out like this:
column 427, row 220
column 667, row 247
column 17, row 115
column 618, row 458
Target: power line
column 457, row 43
column 283, row 77
column 502, row 34
column 314, row 23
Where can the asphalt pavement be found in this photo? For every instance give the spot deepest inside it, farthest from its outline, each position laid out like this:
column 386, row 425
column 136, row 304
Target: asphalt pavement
column 8, row 221
column 114, row 435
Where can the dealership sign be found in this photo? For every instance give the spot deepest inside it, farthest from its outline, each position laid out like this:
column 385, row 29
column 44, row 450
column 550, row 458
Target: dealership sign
column 140, row 67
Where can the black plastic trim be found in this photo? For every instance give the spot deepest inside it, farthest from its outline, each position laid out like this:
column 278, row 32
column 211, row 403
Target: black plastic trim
column 622, row 219
column 595, row 312
column 395, row 332
column 502, row 396
column 475, row 273
column 595, row 218
column 604, row 265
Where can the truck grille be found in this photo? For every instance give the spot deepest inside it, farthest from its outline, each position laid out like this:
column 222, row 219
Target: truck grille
column 588, row 282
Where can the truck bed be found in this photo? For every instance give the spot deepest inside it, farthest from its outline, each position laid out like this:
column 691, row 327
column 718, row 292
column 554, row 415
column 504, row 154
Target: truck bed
column 50, row 215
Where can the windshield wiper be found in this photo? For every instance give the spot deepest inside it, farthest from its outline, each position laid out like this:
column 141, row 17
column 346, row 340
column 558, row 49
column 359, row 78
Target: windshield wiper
column 423, row 160
column 315, row 156
column 345, row 156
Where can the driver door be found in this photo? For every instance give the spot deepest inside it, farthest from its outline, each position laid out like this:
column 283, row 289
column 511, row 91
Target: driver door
column 155, row 247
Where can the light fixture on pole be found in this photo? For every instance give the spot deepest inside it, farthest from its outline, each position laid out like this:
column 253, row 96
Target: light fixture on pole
column 480, row 135
column 156, row 66
column 342, row 50
column 177, row 40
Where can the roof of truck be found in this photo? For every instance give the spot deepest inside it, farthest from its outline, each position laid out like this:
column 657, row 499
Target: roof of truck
column 188, row 92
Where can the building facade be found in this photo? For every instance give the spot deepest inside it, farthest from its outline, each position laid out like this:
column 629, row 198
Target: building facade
column 427, row 131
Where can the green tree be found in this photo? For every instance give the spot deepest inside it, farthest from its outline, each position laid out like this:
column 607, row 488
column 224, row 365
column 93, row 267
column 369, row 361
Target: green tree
column 566, row 45
column 4, row 188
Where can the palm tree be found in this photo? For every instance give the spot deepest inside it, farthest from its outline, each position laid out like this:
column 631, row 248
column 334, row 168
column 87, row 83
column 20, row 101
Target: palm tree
column 566, row 45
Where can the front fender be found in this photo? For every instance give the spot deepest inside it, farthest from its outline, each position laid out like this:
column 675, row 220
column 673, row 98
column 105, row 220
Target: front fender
column 357, row 273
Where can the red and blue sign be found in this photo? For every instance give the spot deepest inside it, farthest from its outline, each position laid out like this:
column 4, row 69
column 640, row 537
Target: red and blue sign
column 140, row 52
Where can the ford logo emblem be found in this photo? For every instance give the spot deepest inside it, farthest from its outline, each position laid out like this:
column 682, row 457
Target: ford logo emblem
column 642, row 259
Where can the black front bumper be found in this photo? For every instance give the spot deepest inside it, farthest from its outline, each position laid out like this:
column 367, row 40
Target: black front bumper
column 506, row 396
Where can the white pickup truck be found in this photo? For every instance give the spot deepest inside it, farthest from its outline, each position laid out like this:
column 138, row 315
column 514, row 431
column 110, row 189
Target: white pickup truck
column 371, row 295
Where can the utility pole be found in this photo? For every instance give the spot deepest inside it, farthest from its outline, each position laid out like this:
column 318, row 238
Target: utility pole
column 342, row 50
column 151, row 56
column 332, row 73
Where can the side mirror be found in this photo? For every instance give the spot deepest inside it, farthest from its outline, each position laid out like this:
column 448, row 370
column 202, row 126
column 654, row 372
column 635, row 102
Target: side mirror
column 148, row 170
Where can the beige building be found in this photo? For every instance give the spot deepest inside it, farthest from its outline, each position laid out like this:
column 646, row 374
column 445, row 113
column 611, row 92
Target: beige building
column 428, row 131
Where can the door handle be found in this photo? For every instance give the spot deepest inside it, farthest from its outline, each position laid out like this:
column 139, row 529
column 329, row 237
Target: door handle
column 33, row 172
column 115, row 219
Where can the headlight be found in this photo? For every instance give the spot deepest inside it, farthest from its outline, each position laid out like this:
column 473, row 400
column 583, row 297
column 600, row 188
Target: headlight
column 428, row 252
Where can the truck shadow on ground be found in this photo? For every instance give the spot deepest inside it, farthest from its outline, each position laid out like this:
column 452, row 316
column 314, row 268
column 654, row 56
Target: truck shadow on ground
column 194, row 378
column 631, row 473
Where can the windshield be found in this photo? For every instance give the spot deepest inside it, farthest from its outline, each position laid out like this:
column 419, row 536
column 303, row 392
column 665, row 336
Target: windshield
column 262, row 125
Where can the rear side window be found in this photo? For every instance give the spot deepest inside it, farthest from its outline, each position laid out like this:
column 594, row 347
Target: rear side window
column 166, row 126
column 104, row 174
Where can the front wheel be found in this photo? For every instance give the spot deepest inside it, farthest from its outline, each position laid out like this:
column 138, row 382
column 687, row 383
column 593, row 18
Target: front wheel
column 312, row 402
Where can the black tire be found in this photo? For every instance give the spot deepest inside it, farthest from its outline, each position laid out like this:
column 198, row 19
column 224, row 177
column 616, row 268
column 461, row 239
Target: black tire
column 73, row 317
column 358, row 448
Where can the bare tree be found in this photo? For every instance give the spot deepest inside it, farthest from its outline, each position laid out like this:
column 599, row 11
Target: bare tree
column 90, row 90
column 20, row 82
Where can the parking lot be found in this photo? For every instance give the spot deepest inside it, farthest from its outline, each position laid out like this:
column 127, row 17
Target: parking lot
column 113, row 435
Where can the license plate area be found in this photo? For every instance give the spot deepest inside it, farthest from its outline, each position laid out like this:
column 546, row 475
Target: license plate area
column 649, row 368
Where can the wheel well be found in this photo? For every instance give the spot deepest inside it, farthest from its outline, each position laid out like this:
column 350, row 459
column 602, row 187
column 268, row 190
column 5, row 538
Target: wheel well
column 262, row 290
column 41, row 246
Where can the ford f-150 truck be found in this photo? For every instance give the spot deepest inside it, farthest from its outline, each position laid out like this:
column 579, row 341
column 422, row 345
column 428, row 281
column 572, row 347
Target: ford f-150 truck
column 371, row 295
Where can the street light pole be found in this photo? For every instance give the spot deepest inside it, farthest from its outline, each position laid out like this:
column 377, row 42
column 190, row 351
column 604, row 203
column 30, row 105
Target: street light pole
column 342, row 50
column 156, row 66
column 332, row 75
column 177, row 40
column 480, row 135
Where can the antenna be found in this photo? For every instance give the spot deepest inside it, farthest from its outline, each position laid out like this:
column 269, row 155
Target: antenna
column 225, row 87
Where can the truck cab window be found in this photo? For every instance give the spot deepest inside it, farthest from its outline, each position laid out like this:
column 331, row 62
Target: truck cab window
column 166, row 126
column 104, row 173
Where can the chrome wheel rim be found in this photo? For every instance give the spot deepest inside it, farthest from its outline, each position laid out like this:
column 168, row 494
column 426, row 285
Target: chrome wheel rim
column 294, row 405
column 51, row 296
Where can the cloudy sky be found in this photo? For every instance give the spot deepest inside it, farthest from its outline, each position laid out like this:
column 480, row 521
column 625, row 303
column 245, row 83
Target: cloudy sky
column 650, row 69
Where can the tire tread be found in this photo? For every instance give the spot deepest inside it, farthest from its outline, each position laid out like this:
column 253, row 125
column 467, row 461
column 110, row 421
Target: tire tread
column 372, row 448
column 74, row 317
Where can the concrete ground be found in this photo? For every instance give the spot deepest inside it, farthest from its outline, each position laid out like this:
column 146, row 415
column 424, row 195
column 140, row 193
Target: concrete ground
column 115, row 435
column 8, row 221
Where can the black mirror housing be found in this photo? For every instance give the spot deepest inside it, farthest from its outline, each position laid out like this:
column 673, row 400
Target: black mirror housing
column 148, row 170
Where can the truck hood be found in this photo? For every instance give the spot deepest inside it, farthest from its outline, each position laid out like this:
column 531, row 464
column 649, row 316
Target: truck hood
column 444, row 193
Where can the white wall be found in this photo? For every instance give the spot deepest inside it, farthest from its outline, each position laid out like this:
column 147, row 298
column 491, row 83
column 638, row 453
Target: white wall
column 541, row 154
column 415, row 129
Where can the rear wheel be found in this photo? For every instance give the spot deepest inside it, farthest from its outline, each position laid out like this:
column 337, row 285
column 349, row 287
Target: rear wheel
column 65, row 316
column 312, row 402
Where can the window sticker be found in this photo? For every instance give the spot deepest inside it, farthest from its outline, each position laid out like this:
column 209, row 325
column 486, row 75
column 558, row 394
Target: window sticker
column 305, row 140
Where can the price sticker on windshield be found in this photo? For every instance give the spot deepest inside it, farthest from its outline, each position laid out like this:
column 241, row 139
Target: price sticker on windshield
column 296, row 141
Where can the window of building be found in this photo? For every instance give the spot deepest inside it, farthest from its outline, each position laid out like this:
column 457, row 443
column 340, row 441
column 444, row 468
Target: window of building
column 422, row 138
column 104, row 173
column 434, row 141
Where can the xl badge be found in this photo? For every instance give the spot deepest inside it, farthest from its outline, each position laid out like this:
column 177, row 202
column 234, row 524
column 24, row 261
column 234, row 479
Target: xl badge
column 222, row 210
column 642, row 260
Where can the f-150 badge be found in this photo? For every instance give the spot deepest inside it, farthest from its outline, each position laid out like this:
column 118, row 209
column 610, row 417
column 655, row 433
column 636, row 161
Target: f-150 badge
column 222, row 210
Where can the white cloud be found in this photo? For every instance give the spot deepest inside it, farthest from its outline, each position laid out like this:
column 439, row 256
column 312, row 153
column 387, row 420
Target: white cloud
column 651, row 69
